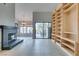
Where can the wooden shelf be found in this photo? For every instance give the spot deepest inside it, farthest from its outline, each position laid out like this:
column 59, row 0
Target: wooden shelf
column 53, row 20
column 67, row 5
column 68, row 9
column 59, row 25
column 53, row 34
column 69, row 40
column 53, row 17
column 66, row 39
column 70, row 33
column 58, row 17
column 53, row 14
column 65, row 25
column 58, row 40
column 59, row 29
column 58, row 10
column 59, row 21
column 58, row 14
column 53, row 25
column 72, row 48
column 58, row 36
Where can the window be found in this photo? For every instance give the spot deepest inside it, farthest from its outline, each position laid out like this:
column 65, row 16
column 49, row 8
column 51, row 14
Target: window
column 29, row 29
column 21, row 30
column 25, row 29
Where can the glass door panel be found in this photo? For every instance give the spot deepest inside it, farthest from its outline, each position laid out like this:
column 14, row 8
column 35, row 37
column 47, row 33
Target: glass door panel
column 45, row 28
column 39, row 30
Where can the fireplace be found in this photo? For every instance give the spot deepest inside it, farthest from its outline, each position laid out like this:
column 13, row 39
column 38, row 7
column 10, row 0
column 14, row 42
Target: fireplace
column 11, row 36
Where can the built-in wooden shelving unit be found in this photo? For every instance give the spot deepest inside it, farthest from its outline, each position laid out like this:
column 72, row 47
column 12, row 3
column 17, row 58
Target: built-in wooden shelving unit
column 65, row 20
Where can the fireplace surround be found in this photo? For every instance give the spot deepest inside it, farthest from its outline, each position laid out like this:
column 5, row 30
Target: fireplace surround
column 9, row 37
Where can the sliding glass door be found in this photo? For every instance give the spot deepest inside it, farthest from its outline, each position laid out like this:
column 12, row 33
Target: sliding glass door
column 42, row 30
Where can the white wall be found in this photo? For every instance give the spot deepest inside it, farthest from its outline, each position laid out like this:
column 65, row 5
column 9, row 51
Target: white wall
column 42, row 16
column 7, row 14
column 22, row 12
column 26, row 9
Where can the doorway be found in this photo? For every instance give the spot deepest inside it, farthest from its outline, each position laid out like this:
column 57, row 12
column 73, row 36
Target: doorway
column 43, row 30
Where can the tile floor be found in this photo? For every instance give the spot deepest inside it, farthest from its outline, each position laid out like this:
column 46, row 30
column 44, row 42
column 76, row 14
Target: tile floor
column 34, row 47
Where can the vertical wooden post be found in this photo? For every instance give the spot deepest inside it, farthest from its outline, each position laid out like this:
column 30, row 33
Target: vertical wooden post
column 77, row 39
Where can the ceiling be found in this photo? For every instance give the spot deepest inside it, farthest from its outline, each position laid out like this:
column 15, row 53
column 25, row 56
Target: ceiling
column 27, row 9
column 35, row 6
